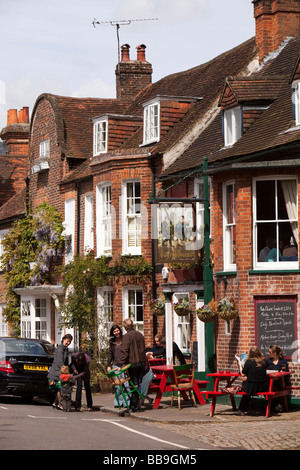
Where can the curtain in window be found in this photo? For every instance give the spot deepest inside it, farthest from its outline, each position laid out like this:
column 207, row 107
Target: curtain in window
column 289, row 189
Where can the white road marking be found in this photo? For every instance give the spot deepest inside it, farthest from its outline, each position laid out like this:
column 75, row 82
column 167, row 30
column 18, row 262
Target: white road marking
column 3, row 408
column 137, row 432
column 45, row 417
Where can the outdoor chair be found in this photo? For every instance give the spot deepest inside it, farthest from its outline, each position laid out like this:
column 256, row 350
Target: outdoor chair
column 117, row 381
column 184, row 378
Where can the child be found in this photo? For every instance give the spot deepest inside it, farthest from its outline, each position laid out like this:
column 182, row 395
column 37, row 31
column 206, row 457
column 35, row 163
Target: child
column 67, row 381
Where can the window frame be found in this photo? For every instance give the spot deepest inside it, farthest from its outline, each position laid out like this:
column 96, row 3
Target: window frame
column 232, row 119
column 228, row 244
column 102, row 221
column 151, row 124
column 138, row 324
column 88, row 222
column 137, row 249
column 44, row 149
column 276, row 265
column 105, row 299
column 100, row 143
column 33, row 324
column 70, row 213
column 296, row 101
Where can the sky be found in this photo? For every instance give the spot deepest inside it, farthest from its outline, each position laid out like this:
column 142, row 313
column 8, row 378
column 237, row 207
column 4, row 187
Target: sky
column 53, row 46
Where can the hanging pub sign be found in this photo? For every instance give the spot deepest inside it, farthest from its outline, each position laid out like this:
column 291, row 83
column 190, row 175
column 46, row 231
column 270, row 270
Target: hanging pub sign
column 177, row 239
column 276, row 324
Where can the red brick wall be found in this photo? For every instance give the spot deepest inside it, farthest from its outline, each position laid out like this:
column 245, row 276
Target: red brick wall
column 275, row 21
column 243, row 286
column 44, row 186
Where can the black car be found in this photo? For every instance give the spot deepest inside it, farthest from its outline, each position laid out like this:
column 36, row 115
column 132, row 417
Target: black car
column 24, row 365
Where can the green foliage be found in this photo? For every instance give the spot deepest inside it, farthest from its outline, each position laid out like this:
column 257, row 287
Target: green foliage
column 35, row 239
column 81, row 279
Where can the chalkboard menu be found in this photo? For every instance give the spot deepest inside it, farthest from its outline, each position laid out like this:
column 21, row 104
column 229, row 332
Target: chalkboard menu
column 276, row 324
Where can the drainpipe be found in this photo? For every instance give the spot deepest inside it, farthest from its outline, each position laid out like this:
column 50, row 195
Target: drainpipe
column 207, row 276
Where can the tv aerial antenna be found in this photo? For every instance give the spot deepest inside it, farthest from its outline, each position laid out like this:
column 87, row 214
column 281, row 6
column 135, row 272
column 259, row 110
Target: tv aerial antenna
column 117, row 24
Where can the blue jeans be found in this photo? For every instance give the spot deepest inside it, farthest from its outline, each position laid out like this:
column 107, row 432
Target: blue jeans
column 120, row 396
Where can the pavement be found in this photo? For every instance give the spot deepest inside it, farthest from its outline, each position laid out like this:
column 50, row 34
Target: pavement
column 104, row 402
column 224, row 431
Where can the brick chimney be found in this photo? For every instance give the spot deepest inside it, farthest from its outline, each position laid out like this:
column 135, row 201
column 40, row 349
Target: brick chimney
column 275, row 20
column 16, row 133
column 132, row 76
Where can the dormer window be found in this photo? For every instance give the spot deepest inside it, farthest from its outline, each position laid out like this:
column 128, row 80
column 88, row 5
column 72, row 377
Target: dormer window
column 151, row 123
column 100, row 136
column 42, row 163
column 296, row 101
column 232, row 125
column 44, row 149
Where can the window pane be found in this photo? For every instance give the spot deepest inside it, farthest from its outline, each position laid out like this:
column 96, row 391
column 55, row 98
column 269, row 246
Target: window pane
column 230, row 204
column 276, row 201
column 265, row 200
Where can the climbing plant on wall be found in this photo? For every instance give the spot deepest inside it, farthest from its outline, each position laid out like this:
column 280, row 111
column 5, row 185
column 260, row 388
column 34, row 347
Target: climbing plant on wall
column 29, row 250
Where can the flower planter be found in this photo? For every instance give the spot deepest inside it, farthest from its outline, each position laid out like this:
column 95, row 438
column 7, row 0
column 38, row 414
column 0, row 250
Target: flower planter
column 227, row 314
column 227, row 309
column 182, row 312
column 158, row 312
column 206, row 317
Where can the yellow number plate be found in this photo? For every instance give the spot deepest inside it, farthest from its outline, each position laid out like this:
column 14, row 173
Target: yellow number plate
column 40, row 368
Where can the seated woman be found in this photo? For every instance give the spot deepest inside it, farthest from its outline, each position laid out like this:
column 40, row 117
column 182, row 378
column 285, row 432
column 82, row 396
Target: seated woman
column 254, row 377
column 277, row 362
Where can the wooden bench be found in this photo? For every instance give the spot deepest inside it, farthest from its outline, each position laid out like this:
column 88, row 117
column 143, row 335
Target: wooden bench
column 269, row 395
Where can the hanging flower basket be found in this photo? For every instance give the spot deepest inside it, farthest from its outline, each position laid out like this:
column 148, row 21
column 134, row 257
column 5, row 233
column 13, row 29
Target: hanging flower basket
column 158, row 307
column 227, row 309
column 182, row 308
column 207, row 313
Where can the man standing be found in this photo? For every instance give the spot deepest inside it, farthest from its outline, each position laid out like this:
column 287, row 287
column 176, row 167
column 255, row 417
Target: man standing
column 133, row 352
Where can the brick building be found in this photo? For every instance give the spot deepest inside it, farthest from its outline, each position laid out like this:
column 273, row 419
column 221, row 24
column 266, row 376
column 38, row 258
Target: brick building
column 126, row 172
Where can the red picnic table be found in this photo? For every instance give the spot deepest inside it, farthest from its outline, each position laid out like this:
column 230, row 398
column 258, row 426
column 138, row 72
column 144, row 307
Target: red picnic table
column 163, row 372
column 273, row 391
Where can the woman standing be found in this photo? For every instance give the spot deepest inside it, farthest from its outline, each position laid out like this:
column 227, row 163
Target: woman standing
column 60, row 359
column 114, row 359
column 80, row 366
column 254, row 377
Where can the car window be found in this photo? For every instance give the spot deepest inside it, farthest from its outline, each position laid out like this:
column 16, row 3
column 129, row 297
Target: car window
column 26, row 347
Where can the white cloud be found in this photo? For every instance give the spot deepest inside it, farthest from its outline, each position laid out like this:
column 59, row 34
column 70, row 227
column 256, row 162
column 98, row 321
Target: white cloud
column 168, row 11
column 95, row 89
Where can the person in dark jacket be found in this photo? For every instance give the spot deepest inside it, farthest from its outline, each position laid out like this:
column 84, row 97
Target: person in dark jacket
column 114, row 361
column 80, row 366
column 276, row 362
column 67, row 382
column 254, row 377
column 60, row 359
column 133, row 352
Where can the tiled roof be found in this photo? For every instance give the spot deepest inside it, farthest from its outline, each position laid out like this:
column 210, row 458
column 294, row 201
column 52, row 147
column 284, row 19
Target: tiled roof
column 249, row 89
column 73, row 118
column 14, row 207
column 205, row 81
column 272, row 129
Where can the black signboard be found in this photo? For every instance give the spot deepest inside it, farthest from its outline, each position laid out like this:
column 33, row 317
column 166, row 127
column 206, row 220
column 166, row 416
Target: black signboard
column 276, row 324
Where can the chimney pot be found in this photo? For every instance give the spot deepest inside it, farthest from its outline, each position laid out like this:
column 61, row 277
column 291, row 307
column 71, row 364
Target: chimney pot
column 125, row 53
column 25, row 114
column 12, row 116
column 141, row 53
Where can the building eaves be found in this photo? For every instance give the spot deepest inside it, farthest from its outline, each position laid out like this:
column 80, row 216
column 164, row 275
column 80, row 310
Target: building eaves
column 273, row 129
column 15, row 207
